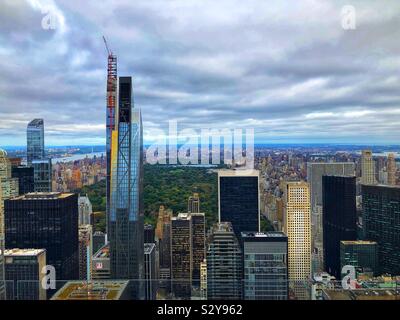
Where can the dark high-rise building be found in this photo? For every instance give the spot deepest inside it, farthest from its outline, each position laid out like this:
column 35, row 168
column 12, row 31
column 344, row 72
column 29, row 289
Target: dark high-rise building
column 362, row 255
column 35, row 140
column 238, row 194
column 42, row 172
column 125, row 221
column 224, row 264
column 163, row 237
column 339, row 218
column 25, row 178
column 198, row 245
column 381, row 223
column 23, row 268
column 150, row 271
column 48, row 221
column 194, row 203
column 181, row 256
column 265, row 265
column 149, row 233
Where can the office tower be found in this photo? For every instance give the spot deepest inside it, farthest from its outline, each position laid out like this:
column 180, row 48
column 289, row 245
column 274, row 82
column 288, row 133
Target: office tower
column 362, row 255
column 111, row 121
column 198, row 245
column 315, row 171
column 125, row 223
column 150, row 271
column 149, row 233
column 224, row 264
column 48, row 221
column 23, row 269
column 95, row 290
column 181, row 256
column 383, row 176
column 339, row 218
column 194, row 203
column 163, row 236
column 203, row 280
column 42, row 172
column 8, row 186
column 265, row 270
column 99, row 240
column 85, row 252
column 101, row 263
column 85, row 209
column 381, row 221
column 298, row 229
column 391, row 169
column 239, row 200
column 35, row 140
column 367, row 167
column 25, row 178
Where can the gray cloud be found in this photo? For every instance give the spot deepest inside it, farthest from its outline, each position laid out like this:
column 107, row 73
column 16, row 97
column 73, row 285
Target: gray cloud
column 287, row 70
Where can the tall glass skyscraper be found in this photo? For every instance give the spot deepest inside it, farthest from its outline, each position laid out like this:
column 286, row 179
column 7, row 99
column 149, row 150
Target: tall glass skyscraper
column 339, row 218
column 381, row 219
column 35, row 140
column 125, row 221
column 239, row 199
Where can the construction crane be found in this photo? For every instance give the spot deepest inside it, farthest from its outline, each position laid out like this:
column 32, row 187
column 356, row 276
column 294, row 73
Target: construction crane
column 107, row 48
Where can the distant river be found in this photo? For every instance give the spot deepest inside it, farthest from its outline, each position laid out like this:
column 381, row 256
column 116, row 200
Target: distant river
column 78, row 157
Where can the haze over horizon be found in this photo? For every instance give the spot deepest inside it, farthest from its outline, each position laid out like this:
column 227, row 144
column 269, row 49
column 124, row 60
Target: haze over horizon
column 288, row 70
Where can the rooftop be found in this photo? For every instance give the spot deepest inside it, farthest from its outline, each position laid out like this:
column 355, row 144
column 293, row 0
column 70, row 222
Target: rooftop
column 96, row 290
column 149, row 247
column 238, row 173
column 357, row 242
column 24, row 252
column 43, row 195
column 35, row 122
column 270, row 234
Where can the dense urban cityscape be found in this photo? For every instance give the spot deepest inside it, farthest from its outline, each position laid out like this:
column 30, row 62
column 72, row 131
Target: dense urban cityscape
column 219, row 214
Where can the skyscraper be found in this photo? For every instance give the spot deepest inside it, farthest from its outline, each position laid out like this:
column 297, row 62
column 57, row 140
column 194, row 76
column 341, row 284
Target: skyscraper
column 23, row 268
column 194, row 203
column 239, row 199
column 125, row 223
column 48, row 221
column 315, row 171
column 42, row 170
column 224, row 264
column 198, row 245
column 111, row 121
column 391, row 169
column 149, row 233
column 35, row 140
column 85, row 209
column 181, row 255
column 381, row 223
column 85, row 251
column 339, row 218
column 25, row 178
column 367, row 167
column 298, row 229
column 150, row 271
column 163, row 236
column 265, row 270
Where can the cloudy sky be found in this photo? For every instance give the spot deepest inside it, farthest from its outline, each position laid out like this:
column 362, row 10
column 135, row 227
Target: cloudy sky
column 288, row 69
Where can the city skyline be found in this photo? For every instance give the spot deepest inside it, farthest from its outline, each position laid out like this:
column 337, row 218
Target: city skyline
column 326, row 79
